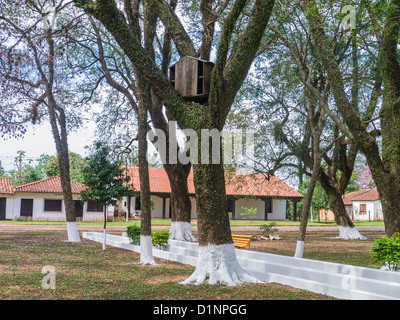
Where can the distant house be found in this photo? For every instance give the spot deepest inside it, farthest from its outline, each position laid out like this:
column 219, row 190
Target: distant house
column 269, row 196
column 363, row 205
column 6, row 197
column 43, row 200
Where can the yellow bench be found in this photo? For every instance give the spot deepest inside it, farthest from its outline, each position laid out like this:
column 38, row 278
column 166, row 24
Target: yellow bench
column 241, row 241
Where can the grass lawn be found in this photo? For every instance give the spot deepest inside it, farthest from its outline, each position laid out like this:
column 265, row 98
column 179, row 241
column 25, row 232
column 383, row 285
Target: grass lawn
column 85, row 271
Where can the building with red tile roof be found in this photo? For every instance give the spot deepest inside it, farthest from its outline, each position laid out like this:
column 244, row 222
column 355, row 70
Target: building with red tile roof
column 49, row 185
column 43, row 200
column 363, row 204
column 255, row 185
column 6, row 191
column 267, row 193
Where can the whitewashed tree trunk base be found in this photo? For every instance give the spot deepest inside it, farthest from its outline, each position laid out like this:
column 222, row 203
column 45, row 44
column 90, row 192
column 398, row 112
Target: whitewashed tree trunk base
column 218, row 264
column 299, row 249
column 181, row 231
column 73, row 233
column 350, row 233
column 146, row 250
column 104, row 240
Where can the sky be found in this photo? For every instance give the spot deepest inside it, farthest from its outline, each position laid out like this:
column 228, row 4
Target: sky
column 39, row 140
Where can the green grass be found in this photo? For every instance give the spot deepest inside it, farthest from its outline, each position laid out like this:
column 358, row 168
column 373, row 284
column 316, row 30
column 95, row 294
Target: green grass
column 84, row 271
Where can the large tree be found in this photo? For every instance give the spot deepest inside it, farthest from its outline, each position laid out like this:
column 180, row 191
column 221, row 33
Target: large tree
column 217, row 261
column 131, row 92
column 39, row 78
column 104, row 180
column 385, row 164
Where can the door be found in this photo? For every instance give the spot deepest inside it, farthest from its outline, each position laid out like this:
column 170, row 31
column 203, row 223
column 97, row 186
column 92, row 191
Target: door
column 3, row 208
column 78, row 208
column 26, row 207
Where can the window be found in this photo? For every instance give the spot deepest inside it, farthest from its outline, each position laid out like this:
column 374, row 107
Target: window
column 137, row 203
column 52, row 205
column 230, row 205
column 363, row 208
column 94, row 207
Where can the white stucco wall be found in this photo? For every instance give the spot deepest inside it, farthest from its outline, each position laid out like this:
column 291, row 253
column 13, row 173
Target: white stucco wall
column 38, row 213
column 158, row 206
column 373, row 212
column 9, row 206
column 278, row 208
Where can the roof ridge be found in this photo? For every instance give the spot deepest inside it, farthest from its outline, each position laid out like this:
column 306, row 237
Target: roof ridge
column 35, row 182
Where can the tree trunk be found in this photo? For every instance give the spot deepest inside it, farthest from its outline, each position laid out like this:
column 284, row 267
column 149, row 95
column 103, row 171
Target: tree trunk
column 306, row 211
column 181, row 206
column 61, row 143
column 217, row 261
column 347, row 229
column 146, row 249
column 104, row 228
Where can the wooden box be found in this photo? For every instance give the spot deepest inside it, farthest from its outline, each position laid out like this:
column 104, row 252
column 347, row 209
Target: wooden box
column 191, row 78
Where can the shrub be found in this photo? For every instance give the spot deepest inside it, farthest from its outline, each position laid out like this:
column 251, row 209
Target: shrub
column 387, row 250
column 268, row 229
column 249, row 213
column 133, row 232
column 159, row 238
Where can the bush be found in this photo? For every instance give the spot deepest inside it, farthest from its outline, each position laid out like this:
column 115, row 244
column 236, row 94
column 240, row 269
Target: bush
column 158, row 237
column 268, row 229
column 387, row 251
column 133, row 232
column 249, row 213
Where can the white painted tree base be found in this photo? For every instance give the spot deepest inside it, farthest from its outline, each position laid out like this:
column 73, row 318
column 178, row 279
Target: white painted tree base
column 218, row 264
column 105, row 239
column 299, row 249
column 146, row 250
column 350, row 233
column 73, row 233
column 181, row 231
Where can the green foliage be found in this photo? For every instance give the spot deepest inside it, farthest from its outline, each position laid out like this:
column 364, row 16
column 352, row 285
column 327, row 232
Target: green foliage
column 249, row 213
column 24, row 171
column 268, row 229
column 158, row 237
column 76, row 163
column 319, row 199
column 387, row 250
column 133, row 233
column 103, row 178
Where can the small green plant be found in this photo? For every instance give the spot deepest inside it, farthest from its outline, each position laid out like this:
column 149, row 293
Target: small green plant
column 159, row 238
column 387, row 251
column 133, row 232
column 249, row 213
column 268, row 229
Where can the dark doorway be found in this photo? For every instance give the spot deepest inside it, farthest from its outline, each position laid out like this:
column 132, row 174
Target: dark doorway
column 3, row 202
column 78, row 208
column 26, row 207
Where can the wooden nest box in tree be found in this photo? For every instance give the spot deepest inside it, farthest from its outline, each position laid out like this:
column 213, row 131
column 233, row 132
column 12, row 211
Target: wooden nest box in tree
column 191, row 78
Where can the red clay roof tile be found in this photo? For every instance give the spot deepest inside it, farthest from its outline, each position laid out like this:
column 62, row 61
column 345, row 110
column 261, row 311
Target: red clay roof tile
column 360, row 195
column 236, row 184
column 6, row 186
column 49, row 185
